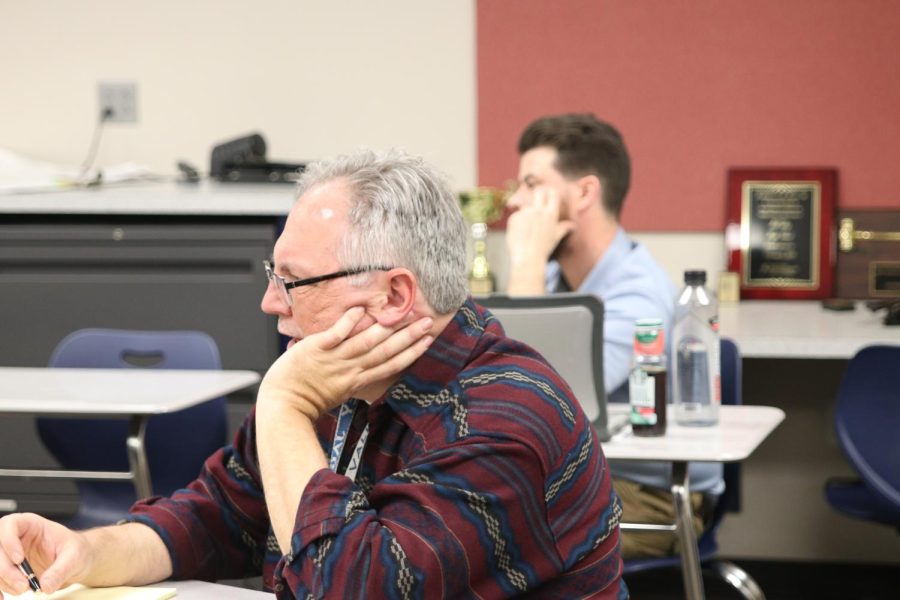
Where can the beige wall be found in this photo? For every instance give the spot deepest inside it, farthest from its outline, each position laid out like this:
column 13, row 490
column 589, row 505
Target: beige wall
column 316, row 78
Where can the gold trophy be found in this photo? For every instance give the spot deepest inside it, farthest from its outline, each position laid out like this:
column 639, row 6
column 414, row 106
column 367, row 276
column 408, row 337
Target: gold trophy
column 481, row 207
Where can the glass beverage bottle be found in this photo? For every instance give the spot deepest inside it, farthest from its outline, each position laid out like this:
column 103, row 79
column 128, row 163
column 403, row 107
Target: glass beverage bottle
column 647, row 380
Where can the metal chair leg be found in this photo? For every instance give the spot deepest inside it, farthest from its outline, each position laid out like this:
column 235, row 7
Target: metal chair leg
column 737, row 578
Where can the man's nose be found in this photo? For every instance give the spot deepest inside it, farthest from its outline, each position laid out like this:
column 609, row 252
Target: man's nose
column 272, row 303
column 517, row 200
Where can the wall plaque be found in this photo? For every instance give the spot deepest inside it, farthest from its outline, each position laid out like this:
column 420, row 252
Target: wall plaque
column 868, row 262
column 781, row 232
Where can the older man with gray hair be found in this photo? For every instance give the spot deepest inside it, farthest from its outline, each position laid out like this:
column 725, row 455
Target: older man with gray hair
column 402, row 446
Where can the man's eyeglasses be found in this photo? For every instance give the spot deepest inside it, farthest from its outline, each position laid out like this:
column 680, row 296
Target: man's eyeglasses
column 284, row 287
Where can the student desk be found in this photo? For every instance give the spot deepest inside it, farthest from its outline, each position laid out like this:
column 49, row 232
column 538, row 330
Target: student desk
column 134, row 255
column 134, row 393
column 740, row 430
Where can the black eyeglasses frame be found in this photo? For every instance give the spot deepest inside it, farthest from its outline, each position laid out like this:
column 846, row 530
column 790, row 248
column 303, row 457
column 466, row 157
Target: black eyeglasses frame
column 286, row 286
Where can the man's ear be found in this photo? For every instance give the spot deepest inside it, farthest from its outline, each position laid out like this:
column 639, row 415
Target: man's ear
column 590, row 193
column 399, row 296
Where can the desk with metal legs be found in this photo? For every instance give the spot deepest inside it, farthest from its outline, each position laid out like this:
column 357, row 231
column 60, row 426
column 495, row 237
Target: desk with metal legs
column 136, row 394
column 740, row 431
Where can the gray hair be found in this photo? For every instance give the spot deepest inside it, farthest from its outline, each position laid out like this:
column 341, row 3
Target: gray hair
column 403, row 214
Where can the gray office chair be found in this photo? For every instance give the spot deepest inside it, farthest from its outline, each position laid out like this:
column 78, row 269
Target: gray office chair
column 567, row 329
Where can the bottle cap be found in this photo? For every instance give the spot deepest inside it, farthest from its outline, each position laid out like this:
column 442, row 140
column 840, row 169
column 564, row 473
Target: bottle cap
column 649, row 337
column 696, row 277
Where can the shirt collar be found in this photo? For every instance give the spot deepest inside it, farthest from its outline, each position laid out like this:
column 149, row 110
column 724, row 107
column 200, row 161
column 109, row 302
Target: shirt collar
column 598, row 277
column 448, row 354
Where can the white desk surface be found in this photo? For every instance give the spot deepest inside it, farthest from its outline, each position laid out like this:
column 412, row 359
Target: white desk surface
column 194, row 590
column 740, row 430
column 802, row 329
column 114, row 391
column 162, row 198
column 201, row 590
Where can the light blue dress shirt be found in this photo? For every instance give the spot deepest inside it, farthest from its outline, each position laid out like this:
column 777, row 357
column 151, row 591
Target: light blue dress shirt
column 632, row 286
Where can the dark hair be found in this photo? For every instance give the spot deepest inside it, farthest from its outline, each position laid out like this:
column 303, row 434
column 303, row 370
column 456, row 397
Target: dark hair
column 585, row 145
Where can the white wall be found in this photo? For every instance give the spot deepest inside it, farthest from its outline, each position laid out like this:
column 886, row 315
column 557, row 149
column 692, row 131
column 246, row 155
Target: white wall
column 679, row 251
column 316, row 78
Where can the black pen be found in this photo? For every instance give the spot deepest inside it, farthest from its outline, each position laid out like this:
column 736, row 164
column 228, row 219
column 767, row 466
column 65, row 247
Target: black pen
column 29, row 574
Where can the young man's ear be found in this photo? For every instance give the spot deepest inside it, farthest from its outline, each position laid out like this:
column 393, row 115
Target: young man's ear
column 398, row 298
column 589, row 193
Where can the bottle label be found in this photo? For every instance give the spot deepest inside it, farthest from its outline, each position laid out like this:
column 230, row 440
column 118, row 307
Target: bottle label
column 642, row 394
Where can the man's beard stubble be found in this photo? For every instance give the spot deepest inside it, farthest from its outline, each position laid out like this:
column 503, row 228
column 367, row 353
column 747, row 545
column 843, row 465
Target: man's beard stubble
column 560, row 247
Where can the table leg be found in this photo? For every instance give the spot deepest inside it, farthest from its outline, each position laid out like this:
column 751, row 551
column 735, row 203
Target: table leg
column 137, row 455
column 690, row 555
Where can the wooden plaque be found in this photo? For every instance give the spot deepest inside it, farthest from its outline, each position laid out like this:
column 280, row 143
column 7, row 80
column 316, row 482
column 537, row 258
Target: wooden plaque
column 868, row 264
column 781, row 232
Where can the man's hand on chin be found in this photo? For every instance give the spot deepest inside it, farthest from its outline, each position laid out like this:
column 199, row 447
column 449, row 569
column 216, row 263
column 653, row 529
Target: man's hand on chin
column 316, row 374
column 325, row 369
column 535, row 229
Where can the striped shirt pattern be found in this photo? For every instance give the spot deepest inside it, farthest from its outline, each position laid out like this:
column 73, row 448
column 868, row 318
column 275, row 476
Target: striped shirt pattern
column 481, row 478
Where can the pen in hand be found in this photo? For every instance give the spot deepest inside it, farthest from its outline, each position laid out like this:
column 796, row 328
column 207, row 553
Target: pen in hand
column 29, row 574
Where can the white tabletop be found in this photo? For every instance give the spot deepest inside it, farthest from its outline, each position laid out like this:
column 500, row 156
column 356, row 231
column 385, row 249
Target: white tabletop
column 201, row 590
column 188, row 590
column 802, row 329
column 114, row 391
column 740, row 430
column 163, row 198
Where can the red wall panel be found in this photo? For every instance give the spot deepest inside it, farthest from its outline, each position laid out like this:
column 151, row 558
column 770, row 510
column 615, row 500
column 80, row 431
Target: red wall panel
column 697, row 87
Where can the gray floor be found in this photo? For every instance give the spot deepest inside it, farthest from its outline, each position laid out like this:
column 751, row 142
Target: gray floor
column 782, row 580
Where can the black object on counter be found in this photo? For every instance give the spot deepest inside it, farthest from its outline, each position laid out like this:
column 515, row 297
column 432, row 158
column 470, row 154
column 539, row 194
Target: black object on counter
column 244, row 160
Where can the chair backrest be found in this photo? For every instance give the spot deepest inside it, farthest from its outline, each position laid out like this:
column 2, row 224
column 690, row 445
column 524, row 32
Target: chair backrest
column 567, row 329
column 867, row 421
column 731, row 385
column 176, row 443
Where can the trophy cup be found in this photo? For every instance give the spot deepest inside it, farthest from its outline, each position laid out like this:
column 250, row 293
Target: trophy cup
column 481, row 207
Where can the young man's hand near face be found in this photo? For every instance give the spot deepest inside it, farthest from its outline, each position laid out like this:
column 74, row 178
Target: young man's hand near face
column 533, row 232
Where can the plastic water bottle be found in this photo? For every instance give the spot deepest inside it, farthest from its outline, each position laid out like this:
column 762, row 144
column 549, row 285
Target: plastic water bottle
column 696, row 386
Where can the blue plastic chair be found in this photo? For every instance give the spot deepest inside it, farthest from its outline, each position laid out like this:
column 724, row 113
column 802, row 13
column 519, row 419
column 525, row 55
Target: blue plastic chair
column 867, row 422
column 729, row 501
column 177, row 444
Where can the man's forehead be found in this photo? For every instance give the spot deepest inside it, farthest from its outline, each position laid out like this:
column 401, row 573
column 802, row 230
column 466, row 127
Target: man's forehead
column 325, row 200
column 313, row 226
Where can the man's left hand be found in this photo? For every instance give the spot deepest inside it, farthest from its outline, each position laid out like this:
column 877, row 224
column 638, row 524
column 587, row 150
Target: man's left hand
column 325, row 369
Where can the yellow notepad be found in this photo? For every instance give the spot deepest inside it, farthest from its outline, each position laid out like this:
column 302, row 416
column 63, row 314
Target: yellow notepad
column 80, row 592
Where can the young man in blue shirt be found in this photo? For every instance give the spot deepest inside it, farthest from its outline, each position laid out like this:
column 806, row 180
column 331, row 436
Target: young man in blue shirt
column 574, row 175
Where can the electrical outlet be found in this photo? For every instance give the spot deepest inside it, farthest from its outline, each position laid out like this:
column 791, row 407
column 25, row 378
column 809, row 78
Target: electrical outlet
column 120, row 100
